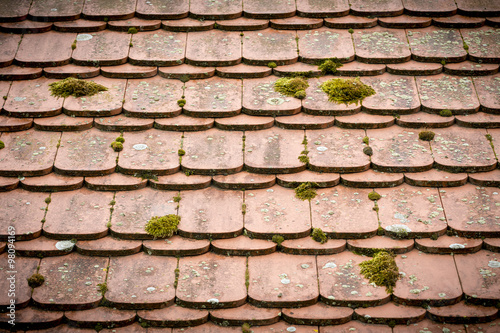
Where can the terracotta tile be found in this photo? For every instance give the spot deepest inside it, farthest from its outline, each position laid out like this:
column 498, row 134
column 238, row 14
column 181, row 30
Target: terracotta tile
column 449, row 244
column 390, row 312
column 397, row 246
column 458, row 21
column 489, row 327
column 244, row 181
column 416, row 210
column 128, row 71
column 356, row 325
column 158, row 48
column 140, row 24
column 478, row 8
column 305, row 121
column 14, row 10
column 283, row 327
column 361, row 69
column 159, row 9
column 325, row 43
column 32, row 99
column 159, row 156
column 115, row 182
column 74, row 279
column 188, row 25
column 442, row 91
column 103, row 104
column 66, row 329
column 243, row 246
column 243, row 71
column 216, row 214
column 404, row 22
column 213, row 152
column 79, row 26
column 173, row 316
column 62, row 72
column 123, row 123
column 8, row 184
column 492, row 244
column 181, row 181
column 429, row 326
column 343, row 153
column 63, row 123
column 394, row 95
column 33, row 318
column 472, row 211
column 276, row 211
column 108, row 246
column 274, row 150
column 53, row 10
column 367, row 8
column 371, row 179
column 140, row 281
column 429, row 8
column 106, row 317
column 268, row 9
column 399, row 150
column 112, row 10
column 133, row 209
column 364, row 121
column 343, row 212
column 214, row 97
column 308, row 246
column 29, row 27
column 217, row 48
column 243, row 122
column 24, row 268
column 152, row 98
column 462, row 313
column 424, row 120
column 28, row 153
column 282, row 280
column 350, row 22
column 89, row 208
column 86, row 153
column 269, row 45
column 24, row 211
column 479, row 120
column 298, row 67
column 328, row 8
column 8, row 124
column 211, row 281
column 318, row 314
column 434, row 44
column 186, row 71
column 10, row 45
column 491, row 178
column 243, row 24
column 52, row 183
column 19, row 73
column 176, row 246
column 205, row 328
column 436, row 178
column 316, row 102
column 487, row 91
column 322, row 179
column 246, row 313
column 200, row 9
column 341, row 283
column 381, row 45
column 103, row 48
column 414, row 68
column 296, row 23
column 493, row 21
column 260, row 99
column 482, row 44
column 474, row 154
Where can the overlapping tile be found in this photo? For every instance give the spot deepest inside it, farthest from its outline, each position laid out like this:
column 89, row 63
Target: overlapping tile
column 219, row 48
column 487, row 89
column 53, row 10
column 172, row 316
column 26, row 27
column 396, row 246
column 458, row 21
column 243, row 246
column 414, row 68
column 33, row 318
column 63, row 123
column 176, row 246
column 102, row 316
column 108, row 246
column 243, row 24
column 104, row 48
column 470, row 68
column 243, row 71
column 490, row 178
column 268, row 9
column 10, row 44
column 52, row 183
column 225, row 10
column 22, row 269
column 122, row 123
column 13, row 10
column 448, row 244
column 372, row 178
column 478, row 120
column 181, row 181
column 322, row 179
column 14, row 72
column 381, row 45
column 433, row 44
column 109, row 10
column 428, row 7
column 391, row 313
column 244, row 181
column 478, row 8
column 128, row 71
column 159, row 9
column 429, row 325
column 115, row 182
column 243, row 122
column 158, row 48
column 305, row 121
column 296, row 23
column 404, row 22
column 328, row 8
column 79, row 26
column 364, row 8
column 246, row 314
column 318, row 314
column 308, row 246
column 137, row 23
column 350, row 22
column 462, row 313
column 62, row 72
column 188, row 25
column 269, row 45
column 323, row 43
column 424, row 120
column 435, row 178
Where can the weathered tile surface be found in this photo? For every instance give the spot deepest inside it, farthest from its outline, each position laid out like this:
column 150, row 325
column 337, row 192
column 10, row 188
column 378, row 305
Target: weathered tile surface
column 488, row 91
column 52, row 183
column 449, row 244
column 104, row 48
column 269, row 45
column 243, row 246
column 63, row 123
column 158, row 48
column 214, row 97
column 176, row 246
column 54, row 10
column 22, row 269
column 390, row 312
column 161, row 9
column 322, row 8
column 10, row 44
column 269, row 9
column 218, row 48
column 404, row 22
column 244, row 180
column 325, row 43
column 245, row 314
column 108, row 246
column 173, row 316
column 428, row 7
column 381, row 45
column 377, row 8
column 14, row 10
column 434, row 44
column 106, row 9
column 218, row 10
column 318, row 314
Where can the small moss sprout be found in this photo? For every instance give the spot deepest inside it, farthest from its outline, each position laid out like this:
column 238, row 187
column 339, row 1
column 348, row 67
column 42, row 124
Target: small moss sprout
column 75, row 87
column 2, row 145
column 278, row 239
column 347, row 91
column 426, row 135
column 368, row 151
column 36, row 280
column 446, row 113
column 132, row 30
column 117, row 146
column 381, row 270
column 272, row 65
column 374, row 196
column 306, row 191
column 181, row 102
column 329, row 66
column 319, row 236
column 181, row 152
column 163, row 226
column 245, row 328
column 301, row 94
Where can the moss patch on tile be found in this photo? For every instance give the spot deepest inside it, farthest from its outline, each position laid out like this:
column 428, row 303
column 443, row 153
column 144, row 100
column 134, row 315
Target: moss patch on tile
column 381, row 270
column 329, row 66
column 306, row 191
column 347, row 91
column 75, row 87
column 319, row 236
column 292, row 86
column 163, row 226
column 36, row 280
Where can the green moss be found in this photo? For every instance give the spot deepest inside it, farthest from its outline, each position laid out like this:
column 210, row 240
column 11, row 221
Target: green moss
column 73, row 46
column 346, row 91
column 381, row 270
column 117, row 146
column 278, row 239
column 184, row 78
column 466, row 47
column 36, row 280
column 244, row 208
column 103, row 288
column 351, row 30
column 120, row 139
column 146, row 174
column 245, row 328
column 162, row 226
column 329, row 66
column 319, row 236
column 4, row 97
column 368, row 151
column 306, row 191
column 445, row 113
column 304, row 159
column 301, row 94
column 489, row 137
column 289, row 86
column 374, row 196
column 176, row 282
column 48, row 200
column 2, row 145
column 443, row 62
column 366, row 140
column 181, row 102
column 131, row 44
column 272, row 65
column 434, row 236
column 181, row 152
column 368, row 252
column 178, row 197
column 75, row 87
column 426, row 135
column 380, row 231
column 132, row 30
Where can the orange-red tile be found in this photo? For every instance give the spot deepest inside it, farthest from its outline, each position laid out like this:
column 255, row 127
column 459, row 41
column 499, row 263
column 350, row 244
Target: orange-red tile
column 269, row 45
column 14, row 72
column 243, row 71
column 103, row 316
column 244, row 181
column 183, row 123
column 324, row 8
column 296, row 23
column 246, row 313
column 108, row 246
column 318, row 314
column 322, row 179
column 462, row 313
column 404, row 22
column 47, row 49
column 104, row 48
column 121, row 123
column 140, row 24
column 478, row 8
column 479, row 120
column 128, row 71
column 187, row 25
column 449, row 244
column 390, row 312
column 350, row 22
column 14, row 10
column 381, row 45
column 32, row 318
column 372, row 178
column 487, row 89
column 10, row 44
column 22, row 269
column 201, row 9
column 429, row 8
column 427, row 325
column 176, row 246
column 172, row 316
column 436, row 178
column 425, row 120
column 79, row 26
column 63, row 123
column 105, row 9
column 115, row 182
column 364, row 121
column 156, row 9
column 433, row 44
column 268, row 9
column 158, row 48
column 367, row 8
column 414, row 68
column 366, row 245
column 214, row 48
column 181, row 181
column 62, row 72
column 243, row 246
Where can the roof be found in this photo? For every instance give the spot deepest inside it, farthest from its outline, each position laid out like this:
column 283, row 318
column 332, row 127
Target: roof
column 226, row 161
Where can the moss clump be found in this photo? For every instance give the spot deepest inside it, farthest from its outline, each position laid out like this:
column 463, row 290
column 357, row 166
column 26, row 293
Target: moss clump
column 306, row 191
column 103, row 287
column 181, row 152
column 289, row 86
column 73, row 46
column 368, row 151
column 381, row 270
column 162, row 226
column 146, row 174
column 75, row 87
column 178, row 197
column 443, row 62
column 48, row 200
column 272, row 65
column 351, row 30
column 329, row 66
column 36, row 280
column 120, row 139
column 2, row 145
column 346, row 91
column 445, row 113
column 278, row 239
column 245, row 328
column 301, row 94
column 373, row 196
column 181, row 102
column 319, row 236
column 426, row 135
column 132, row 30
column 366, row 140
column 117, row 146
